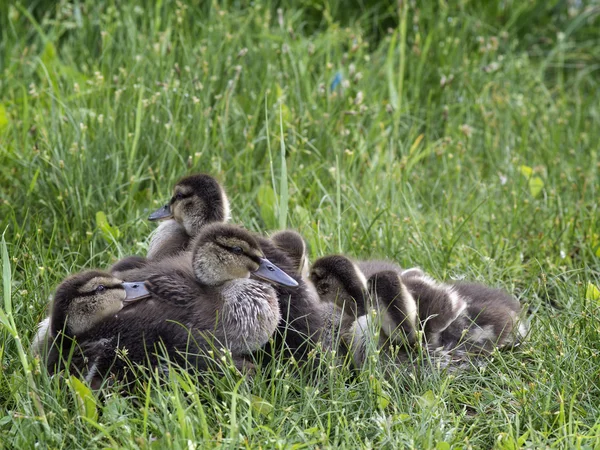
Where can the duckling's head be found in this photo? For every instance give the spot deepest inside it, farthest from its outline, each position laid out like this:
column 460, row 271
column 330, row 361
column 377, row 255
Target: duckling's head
column 225, row 252
column 85, row 299
column 197, row 200
column 292, row 243
column 385, row 285
column 396, row 303
column 337, row 279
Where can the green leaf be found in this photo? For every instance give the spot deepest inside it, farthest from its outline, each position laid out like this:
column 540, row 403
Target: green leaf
column 442, row 446
column 51, row 64
column 109, row 232
column 382, row 399
column 260, row 405
column 85, row 397
column 285, row 114
column 6, row 420
column 522, row 440
column 535, row 186
column 505, row 441
column 266, row 202
column 48, row 56
column 402, row 417
column 33, row 181
column 592, row 292
column 391, row 71
column 3, row 118
column 427, row 400
column 4, row 319
column 283, row 184
column 526, row 171
column 6, row 279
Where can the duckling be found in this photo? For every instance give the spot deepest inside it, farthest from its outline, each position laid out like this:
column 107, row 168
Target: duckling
column 306, row 321
column 292, row 243
column 90, row 307
column 491, row 320
column 487, row 317
column 209, row 288
column 338, row 280
column 395, row 320
column 391, row 295
column 439, row 304
column 88, row 331
column 93, row 296
column 197, row 200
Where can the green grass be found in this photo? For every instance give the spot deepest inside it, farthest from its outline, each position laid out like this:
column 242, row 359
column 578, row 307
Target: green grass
column 417, row 155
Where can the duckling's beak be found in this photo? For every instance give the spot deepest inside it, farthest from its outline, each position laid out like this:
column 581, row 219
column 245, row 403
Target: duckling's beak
column 162, row 213
column 134, row 291
column 270, row 272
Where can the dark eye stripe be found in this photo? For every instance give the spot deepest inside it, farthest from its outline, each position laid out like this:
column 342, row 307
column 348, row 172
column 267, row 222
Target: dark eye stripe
column 93, row 292
column 180, row 196
column 254, row 258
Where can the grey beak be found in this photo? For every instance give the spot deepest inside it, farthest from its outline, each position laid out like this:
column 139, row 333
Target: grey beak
column 270, row 272
column 164, row 212
column 134, row 291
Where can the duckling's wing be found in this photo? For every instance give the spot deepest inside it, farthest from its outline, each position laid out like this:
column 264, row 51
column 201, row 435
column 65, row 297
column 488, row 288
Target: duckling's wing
column 174, row 287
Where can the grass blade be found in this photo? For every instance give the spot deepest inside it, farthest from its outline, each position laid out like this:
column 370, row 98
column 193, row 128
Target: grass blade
column 283, row 180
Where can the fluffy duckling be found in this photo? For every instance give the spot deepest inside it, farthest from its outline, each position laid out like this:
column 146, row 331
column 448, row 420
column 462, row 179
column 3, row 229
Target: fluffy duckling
column 93, row 296
column 338, row 280
column 463, row 315
column 491, row 320
column 292, row 243
column 438, row 304
column 82, row 301
column 395, row 321
column 84, row 308
column 306, row 321
column 197, row 201
column 210, row 288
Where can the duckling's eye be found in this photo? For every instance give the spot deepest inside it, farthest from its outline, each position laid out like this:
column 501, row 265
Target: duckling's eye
column 236, row 250
column 100, row 289
column 179, row 196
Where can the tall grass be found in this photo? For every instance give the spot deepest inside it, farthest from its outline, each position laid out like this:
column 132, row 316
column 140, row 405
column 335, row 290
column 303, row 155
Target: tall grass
column 461, row 138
